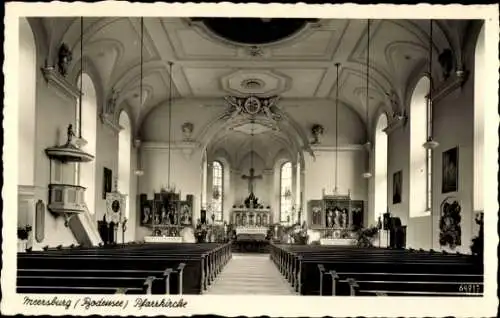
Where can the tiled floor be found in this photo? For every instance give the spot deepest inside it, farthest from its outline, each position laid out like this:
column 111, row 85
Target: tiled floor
column 250, row 274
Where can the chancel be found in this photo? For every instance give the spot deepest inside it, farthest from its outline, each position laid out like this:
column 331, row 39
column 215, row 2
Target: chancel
column 252, row 156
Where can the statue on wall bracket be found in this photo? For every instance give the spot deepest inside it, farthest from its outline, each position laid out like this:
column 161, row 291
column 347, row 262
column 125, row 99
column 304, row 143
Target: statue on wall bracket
column 252, row 106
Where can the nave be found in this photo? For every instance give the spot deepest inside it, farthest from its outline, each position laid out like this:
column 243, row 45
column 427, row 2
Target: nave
column 250, row 274
column 212, row 269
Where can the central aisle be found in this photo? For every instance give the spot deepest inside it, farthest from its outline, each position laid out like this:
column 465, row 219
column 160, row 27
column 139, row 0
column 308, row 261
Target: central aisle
column 250, row 274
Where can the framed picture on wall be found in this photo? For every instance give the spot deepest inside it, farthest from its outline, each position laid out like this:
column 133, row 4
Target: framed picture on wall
column 315, row 212
column 107, row 181
column 146, row 212
column 397, row 182
column 450, row 170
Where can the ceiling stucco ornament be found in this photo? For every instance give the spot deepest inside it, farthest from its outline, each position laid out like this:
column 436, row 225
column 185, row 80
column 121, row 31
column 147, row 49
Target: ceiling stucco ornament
column 252, row 84
column 252, row 106
column 261, row 82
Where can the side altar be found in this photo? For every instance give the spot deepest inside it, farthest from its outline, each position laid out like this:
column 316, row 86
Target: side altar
column 336, row 218
column 167, row 215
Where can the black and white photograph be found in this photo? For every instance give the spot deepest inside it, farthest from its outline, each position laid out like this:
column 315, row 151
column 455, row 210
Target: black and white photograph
column 235, row 160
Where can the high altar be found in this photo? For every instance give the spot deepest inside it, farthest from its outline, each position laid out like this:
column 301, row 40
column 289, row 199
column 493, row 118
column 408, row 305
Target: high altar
column 251, row 223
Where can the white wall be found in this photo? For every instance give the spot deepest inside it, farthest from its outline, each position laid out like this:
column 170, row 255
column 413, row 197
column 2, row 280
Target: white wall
column 320, row 174
column 27, row 102
column 185, row 174
column 452, row 126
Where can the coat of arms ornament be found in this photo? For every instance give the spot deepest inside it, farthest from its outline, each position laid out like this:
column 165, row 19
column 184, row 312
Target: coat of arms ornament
column 252, row 106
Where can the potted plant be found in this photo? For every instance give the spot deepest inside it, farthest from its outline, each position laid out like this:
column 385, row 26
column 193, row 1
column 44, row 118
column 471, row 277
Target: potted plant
column 22, row 235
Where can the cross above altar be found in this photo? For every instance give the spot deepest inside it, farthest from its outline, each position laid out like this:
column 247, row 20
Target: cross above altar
column 251, row 179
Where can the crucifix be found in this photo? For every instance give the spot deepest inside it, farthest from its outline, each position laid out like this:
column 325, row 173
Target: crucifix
column 251, row 179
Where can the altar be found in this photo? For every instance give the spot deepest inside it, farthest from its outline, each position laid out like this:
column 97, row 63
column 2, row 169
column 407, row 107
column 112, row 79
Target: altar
column 248, row 217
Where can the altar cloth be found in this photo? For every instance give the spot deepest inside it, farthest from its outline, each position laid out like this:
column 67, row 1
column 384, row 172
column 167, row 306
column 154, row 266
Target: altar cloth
column 163, row 239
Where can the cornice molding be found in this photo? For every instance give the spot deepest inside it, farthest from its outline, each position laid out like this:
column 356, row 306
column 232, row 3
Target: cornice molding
column 61, row 84
column 161, row 145
column 454, row 82
column 329, row 148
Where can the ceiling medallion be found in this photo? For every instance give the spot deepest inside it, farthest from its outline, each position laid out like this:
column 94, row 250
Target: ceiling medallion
column 252, row 84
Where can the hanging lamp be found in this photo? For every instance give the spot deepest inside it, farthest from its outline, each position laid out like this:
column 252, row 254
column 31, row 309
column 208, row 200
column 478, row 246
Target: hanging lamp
column 367, row 145
column 139, row 172
column 80, row 142
column 335, row 190
column 170, row 186
column 430, row 143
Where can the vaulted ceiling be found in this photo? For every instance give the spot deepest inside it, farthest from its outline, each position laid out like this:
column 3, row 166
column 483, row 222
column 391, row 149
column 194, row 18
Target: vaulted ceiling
column 210, row 66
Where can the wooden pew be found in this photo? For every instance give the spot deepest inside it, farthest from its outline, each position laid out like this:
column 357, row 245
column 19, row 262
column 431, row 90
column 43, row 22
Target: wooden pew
column 351, row 268
column 189, row 270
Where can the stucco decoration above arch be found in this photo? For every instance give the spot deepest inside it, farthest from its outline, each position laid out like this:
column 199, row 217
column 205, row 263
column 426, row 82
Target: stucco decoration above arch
column 286, row 127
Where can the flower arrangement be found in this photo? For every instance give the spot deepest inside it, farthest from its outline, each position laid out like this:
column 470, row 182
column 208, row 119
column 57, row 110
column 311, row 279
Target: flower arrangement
column 23, row 232
column 365, row 236
column 477, row 247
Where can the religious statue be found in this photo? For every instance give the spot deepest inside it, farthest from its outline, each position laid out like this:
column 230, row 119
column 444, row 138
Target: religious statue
column 187, row 130
column 329, row 219
column 186, row 215
column 251, row 201
column 64, row 58
column 337, row 218
column 111, row 104
column 71, row 134
column 236, row 109
column 163, row 215
column 258, row 220
column 146, row 215
column 156, row 219
column 267, row 104
column 445, row 59
column 317, row 131
column 344, row 218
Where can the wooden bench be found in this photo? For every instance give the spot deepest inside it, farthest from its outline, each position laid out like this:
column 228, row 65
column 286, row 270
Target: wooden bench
column 356, row 271
column 174, row 269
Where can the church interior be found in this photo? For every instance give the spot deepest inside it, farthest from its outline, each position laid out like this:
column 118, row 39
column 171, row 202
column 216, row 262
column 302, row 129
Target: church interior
column 252, row 155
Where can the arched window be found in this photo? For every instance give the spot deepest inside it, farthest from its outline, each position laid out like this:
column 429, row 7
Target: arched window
column 217, row 190
column 380, row 177
column 27, row 95
column 479, row 121
column 86, row 172
column 420, row 158
column 124, row 152
column 286, row 192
